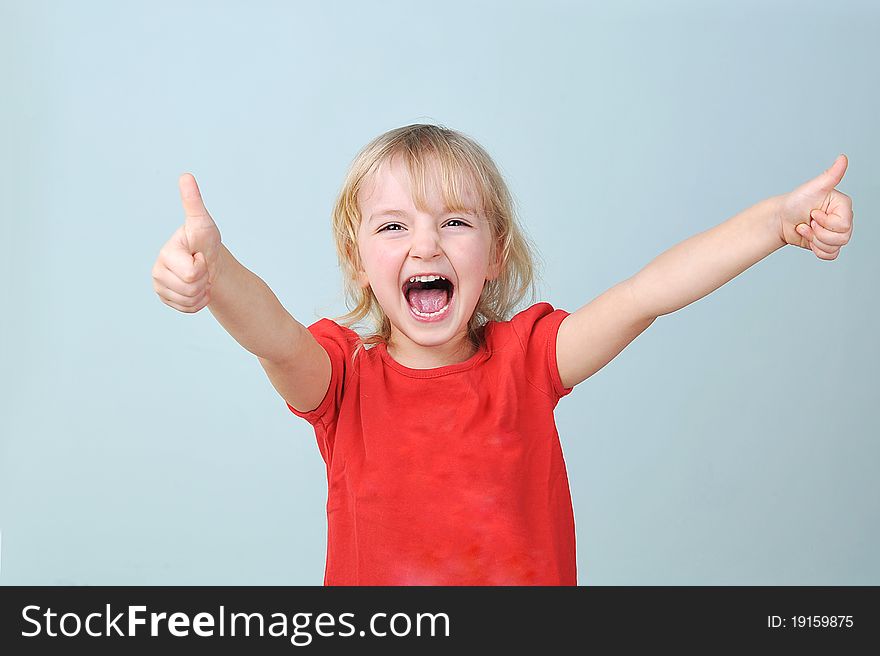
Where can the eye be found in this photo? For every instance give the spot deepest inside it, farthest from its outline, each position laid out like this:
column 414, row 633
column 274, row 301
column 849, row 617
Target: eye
column 397, row 225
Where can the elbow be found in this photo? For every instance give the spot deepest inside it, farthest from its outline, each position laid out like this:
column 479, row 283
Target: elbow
column 640, row 309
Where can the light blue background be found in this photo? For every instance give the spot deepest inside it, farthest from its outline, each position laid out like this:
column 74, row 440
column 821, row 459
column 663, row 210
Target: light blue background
column 734, row 442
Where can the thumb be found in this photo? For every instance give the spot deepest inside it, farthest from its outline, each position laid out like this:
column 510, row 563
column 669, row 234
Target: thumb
column 834, row 174
column 194, row 210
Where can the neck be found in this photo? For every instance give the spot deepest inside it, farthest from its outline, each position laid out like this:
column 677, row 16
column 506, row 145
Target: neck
column 415, row 356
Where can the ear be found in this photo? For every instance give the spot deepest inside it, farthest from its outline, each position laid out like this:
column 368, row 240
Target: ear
column 361, row 275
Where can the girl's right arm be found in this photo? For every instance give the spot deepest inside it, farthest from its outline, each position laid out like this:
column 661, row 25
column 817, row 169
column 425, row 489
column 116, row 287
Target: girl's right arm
column 195, row 270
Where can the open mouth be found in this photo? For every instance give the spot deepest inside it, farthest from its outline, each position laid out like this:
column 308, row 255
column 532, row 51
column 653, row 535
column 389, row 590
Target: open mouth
column 430, row 299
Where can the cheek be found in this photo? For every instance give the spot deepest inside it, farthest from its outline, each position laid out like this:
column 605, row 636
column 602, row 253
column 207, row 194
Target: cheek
column 372, row 258
column 383, row 269
column 476, row 260
column 386, row 263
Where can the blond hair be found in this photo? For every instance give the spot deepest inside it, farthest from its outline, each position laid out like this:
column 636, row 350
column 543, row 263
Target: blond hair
column 461, row 161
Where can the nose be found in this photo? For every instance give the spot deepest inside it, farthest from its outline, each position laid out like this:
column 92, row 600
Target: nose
column 425, row 243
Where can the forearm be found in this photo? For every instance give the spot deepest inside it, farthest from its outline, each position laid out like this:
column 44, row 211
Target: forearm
column 250, row 312
column 701, row 264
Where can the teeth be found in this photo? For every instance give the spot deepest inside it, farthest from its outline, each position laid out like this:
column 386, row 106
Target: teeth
column 426, row 278
column 431, row 314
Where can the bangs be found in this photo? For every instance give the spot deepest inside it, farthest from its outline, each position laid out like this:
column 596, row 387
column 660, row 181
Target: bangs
column 435, row 167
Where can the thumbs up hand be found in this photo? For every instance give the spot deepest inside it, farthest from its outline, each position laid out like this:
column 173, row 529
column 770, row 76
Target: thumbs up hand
column 817, row 216
column 189, row 263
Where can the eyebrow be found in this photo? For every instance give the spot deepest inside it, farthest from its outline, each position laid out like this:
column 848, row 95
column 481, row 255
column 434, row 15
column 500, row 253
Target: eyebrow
column 379, row 213
column 393, row 212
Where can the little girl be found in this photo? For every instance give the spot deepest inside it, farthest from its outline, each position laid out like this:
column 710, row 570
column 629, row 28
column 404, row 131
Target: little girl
column 443, row 462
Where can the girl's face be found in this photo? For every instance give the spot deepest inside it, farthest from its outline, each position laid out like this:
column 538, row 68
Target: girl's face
column 397, row 241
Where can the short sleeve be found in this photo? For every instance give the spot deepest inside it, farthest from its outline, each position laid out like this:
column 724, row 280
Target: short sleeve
column 536, row 328
column 339, row 342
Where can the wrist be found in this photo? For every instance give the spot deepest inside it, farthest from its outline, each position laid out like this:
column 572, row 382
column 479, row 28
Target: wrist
column 223, row 262
column 774, row 217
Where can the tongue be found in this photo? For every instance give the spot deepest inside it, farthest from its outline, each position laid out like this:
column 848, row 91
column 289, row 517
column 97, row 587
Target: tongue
column 428, row 300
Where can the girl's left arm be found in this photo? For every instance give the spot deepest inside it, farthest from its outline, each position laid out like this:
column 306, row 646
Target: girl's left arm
column 814, row 216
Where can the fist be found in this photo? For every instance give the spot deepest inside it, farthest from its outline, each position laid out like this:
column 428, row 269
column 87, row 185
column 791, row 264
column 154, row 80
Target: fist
column 189, row 263
column 816, row 216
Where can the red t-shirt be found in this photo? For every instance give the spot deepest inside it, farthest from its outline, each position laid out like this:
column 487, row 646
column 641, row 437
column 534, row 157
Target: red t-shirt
column 447, row 476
